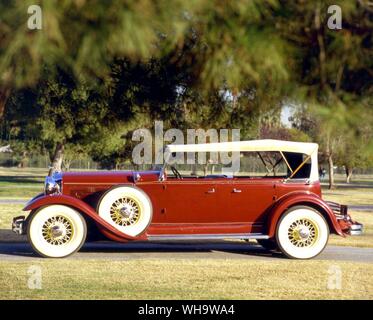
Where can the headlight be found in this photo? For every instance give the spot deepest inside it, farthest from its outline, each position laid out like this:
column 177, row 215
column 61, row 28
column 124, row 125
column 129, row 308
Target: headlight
column 52, row 183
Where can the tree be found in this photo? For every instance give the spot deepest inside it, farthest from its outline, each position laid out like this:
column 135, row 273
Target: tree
column 332, row 69
column 189, row 44
column 72, row 152
column 83, row 39
column 57, row 112
column 353, row 152
column 193, row 64
column 206, row 38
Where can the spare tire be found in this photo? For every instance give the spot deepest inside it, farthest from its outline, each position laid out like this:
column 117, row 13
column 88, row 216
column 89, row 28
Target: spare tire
column 126, row 208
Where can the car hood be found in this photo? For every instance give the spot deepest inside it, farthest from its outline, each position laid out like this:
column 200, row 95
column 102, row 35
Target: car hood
column 109, row 177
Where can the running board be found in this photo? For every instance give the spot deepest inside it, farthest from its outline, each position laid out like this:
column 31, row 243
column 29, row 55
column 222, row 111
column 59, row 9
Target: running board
column 176, row 237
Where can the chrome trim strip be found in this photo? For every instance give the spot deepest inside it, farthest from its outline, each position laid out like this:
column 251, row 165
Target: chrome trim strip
column 94, row 183
column 199, row 224
column 356, row 227
column 356, row 233
column 174, row 237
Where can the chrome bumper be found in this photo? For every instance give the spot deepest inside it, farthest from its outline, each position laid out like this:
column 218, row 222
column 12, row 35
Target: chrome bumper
column 356, row 229
column 18, row 225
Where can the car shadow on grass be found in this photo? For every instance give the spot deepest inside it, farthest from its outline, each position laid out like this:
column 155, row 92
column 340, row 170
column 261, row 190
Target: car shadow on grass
column 7, row 235
column 221, row 249
column 14, row 245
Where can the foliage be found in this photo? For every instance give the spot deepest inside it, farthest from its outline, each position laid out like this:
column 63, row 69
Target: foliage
column 100, row 69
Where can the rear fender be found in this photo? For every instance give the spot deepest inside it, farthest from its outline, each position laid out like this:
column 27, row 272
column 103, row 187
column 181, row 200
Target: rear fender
column 41, row 201
column 302, row 198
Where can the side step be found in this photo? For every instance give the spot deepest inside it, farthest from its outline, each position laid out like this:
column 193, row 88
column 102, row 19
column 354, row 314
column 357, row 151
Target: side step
column 182, row 237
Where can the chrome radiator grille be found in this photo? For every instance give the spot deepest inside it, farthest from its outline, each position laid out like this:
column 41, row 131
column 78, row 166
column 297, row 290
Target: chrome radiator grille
column 339, row 210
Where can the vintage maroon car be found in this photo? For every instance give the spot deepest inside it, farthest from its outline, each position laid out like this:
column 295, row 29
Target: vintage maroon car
column 281, row 208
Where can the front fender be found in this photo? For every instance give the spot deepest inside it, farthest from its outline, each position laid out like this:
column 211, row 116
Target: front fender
column 302, row 198
column 41, row 201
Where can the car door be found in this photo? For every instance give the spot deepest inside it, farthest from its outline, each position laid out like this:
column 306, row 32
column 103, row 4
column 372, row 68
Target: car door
column 189, row 200
column 245, row 201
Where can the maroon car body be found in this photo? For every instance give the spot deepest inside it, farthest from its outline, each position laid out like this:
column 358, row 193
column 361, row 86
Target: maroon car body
column 186, row 206
column 208, row 207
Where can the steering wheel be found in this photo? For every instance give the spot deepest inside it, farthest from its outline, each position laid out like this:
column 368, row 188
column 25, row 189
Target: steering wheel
column 176, row 173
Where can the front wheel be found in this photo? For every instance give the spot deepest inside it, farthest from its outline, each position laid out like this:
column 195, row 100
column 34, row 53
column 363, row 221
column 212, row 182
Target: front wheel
column 56, row 231
column 302, row 233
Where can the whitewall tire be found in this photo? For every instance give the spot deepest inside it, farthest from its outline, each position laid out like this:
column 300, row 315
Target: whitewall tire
column 127, row 209
column 302, row 233
column 56, row 231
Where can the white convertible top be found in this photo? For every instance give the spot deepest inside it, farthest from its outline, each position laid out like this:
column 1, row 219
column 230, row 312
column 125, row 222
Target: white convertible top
column 251, row 145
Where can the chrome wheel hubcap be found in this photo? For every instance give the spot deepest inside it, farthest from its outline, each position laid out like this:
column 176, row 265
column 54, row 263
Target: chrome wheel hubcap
column 57, row 230
column 303, row 233
column 125, row 211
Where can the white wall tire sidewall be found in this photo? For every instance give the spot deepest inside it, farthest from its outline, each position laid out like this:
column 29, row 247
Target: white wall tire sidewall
column 139, row 196
column 46, row 249
column 302, row 252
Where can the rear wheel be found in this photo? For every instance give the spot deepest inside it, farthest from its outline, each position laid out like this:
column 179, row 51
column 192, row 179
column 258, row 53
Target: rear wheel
column 302, row 233
column 56, row 231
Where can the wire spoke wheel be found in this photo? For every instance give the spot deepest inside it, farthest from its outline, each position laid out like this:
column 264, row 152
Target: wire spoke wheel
column 125, row 211
column 58, row 230
column 303, row 233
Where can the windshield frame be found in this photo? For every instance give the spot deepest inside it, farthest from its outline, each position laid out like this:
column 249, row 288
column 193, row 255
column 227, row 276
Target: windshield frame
column 312, row 157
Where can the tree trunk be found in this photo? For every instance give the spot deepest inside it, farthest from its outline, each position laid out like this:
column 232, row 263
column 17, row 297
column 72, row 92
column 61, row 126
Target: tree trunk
column 331, row 172
column 24, row 160
column 4, row 95
column 348, row 174
column 322, row 51
column 57, row 158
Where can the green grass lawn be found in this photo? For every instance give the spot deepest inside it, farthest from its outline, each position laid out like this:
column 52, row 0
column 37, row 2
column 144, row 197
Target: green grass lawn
column 17, row 193
column 18, row 172
column 189, row 279
column 356, row 179
column 350, row 196
column 18, row 183
column 7, row 212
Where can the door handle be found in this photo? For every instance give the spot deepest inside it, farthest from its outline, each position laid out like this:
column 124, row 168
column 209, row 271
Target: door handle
column 236, row 190
column 211, row 190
